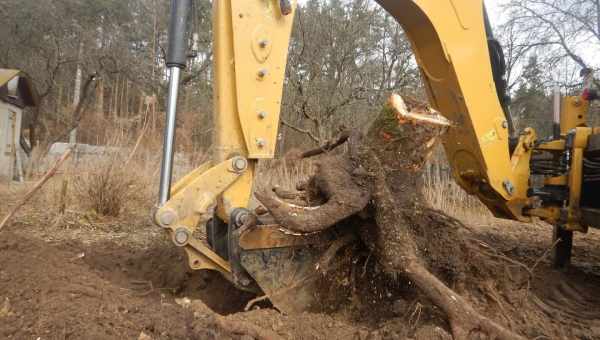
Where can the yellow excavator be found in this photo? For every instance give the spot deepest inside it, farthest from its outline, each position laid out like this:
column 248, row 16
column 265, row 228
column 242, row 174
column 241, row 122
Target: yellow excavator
column 517, row 175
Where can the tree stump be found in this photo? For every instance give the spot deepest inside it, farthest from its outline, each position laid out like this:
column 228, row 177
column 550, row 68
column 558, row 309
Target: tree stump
column 381, row 175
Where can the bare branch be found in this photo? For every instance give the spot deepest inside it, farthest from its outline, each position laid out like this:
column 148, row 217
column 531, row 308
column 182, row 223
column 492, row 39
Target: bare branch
column 303, row 131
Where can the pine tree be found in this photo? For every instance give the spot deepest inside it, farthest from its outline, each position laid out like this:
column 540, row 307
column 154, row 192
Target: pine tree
column 532, row 107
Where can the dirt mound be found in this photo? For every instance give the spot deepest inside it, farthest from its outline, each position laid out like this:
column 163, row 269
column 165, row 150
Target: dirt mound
column 80, row 281
column 111, row 292
column 161, row 269
column 49, row 293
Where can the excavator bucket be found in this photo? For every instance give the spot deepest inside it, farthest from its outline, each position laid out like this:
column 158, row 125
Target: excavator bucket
column 284, row 265
column 287, row 276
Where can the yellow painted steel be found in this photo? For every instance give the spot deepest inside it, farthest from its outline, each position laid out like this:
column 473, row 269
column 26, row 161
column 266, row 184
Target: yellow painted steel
column 229, row 139
column 555, row 145
column 450, row 45
column 261, row 35
column 559, row 180
column 520, row 161
column 189, row 178
column 251, row 41
column 193, row 200
column 575, row 179
column 238, row 195
column 573, row 119
column 575, row 182
column 251, row 45
column 574, row 112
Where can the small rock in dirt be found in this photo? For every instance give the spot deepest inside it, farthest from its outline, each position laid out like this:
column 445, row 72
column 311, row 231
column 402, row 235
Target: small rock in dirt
column 200, row 309
column 430, row 332
column 144, row 336
column 5, row 310
column 375, row 336
column 595, row 330
column 184, row 302
column 277, row 325
column 78, row 256
column 399, row 306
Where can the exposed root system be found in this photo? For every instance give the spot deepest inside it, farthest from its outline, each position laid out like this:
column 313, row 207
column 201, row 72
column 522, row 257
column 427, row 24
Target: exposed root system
column 381, row 173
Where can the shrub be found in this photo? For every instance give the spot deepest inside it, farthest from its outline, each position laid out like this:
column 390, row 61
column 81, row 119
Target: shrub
column 107, row 187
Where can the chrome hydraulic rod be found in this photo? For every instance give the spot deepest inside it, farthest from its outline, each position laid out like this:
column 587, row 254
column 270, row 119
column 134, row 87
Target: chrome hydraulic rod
column 166, row 171
column 176, row 61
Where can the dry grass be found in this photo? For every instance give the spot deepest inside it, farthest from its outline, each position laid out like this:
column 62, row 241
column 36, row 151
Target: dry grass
column 120, row 182
column 442, row 193
column 282, row 173
column 106, row 187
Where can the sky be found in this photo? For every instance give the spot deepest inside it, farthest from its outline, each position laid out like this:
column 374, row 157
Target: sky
column 495, row 11
column 498, row 17
column 490, row 3
column 493, row 7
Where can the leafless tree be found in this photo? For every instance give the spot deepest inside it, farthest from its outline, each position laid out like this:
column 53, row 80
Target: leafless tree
column 564, row 33
column 344, row 57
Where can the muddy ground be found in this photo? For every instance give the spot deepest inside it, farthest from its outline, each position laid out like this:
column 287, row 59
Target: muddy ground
column 83, row 277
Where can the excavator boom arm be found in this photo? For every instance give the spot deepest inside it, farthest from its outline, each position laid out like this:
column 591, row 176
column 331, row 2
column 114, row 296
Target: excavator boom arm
column 451, row 48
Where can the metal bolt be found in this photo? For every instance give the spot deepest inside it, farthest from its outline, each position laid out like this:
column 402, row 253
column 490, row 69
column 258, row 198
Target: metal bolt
column 510, row 188
column 241, row 218
column 182, row 236
column 239, row 164
column 260, row 142
column 263, row 73
column 505, row 124
column 262, row 115
column 263, row 43
column 167, row 218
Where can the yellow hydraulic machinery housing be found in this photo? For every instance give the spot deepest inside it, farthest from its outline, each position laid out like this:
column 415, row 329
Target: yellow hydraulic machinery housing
column 456, row 54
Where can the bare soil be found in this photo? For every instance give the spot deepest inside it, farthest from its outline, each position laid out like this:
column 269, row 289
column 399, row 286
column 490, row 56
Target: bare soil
column 82, row 277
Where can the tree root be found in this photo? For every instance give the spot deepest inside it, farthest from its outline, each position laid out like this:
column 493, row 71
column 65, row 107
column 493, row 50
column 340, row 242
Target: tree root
column 331, row 174
column 381, row 173
column 325, row 261
column 464, row 320
column 245, row 328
